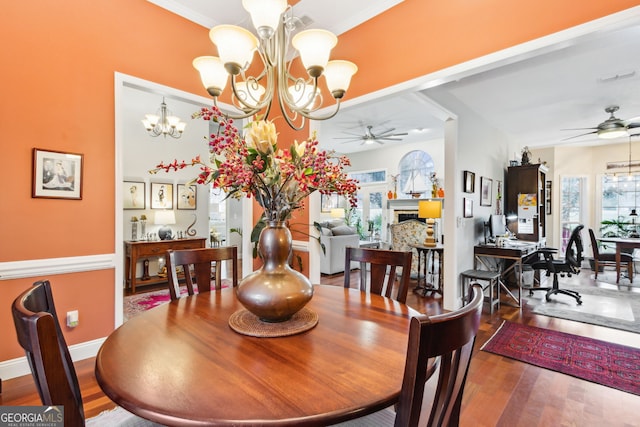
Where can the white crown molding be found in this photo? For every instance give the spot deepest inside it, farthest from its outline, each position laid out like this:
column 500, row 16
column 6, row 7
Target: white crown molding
column 42, row 267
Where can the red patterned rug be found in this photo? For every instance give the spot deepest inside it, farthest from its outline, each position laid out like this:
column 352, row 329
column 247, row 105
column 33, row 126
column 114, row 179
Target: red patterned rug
column 138, row 303
column 604, row 363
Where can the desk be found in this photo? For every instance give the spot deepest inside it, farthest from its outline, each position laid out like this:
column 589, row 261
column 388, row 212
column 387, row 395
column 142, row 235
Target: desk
column 426, row 251
column 134, row 251
column 621, row 243
column 180, row 363
column 515, row 251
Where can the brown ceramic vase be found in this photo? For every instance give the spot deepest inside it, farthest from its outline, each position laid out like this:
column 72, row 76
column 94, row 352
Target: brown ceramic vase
column 275, row 292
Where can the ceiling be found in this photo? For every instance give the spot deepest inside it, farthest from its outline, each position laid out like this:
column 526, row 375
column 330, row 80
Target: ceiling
column 531, row 100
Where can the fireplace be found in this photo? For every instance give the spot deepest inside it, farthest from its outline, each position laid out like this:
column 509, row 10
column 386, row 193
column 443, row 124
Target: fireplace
column 403, row 215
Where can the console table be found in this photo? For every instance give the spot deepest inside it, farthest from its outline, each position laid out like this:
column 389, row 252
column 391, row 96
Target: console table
column 136, row 251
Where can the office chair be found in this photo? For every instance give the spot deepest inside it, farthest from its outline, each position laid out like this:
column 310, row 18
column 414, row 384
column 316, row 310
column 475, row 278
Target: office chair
column 569, row 265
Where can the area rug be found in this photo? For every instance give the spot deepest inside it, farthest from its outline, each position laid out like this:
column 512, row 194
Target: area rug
column 604, row 363
column 138, row 303
column 617, row 309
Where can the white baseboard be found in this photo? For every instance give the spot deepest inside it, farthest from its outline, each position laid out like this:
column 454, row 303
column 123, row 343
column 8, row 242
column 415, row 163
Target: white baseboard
column 18, row 367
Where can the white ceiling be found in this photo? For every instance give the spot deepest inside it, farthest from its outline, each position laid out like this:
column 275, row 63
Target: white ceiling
column 531, row 100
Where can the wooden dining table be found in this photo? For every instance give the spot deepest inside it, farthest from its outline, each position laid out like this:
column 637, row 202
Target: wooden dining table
column 181, row 364
column 621, row 243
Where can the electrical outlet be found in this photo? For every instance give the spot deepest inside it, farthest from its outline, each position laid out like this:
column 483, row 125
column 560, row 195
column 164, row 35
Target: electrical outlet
column 72, row 318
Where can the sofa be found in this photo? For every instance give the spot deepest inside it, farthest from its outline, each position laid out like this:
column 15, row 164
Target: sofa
column 336, row 235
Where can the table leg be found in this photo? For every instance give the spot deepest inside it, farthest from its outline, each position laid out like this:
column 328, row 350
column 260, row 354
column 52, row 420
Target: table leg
column 618, row 259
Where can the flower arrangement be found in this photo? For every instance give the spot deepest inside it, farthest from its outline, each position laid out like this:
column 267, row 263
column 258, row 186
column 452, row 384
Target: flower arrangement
column 254, row 166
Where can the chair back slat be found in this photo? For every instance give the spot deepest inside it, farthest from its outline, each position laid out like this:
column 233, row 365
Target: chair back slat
column 40, row 335
column 450, row 338
column 378, row 271
column 199, row 264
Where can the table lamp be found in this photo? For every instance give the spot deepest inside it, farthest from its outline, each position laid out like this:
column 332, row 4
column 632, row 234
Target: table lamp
column 165, row 218
column 337, row 213
column 430, row 209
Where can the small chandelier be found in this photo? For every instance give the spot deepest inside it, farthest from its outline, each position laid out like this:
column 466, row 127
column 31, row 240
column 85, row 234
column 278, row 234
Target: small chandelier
column 298, row 97
column 163, row 123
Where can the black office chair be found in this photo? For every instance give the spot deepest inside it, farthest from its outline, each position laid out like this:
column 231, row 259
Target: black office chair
column 569, row 265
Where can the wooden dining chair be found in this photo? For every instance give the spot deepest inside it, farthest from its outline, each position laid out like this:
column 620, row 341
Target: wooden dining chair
column 378, row 271
column 438, row 358
column 40, row 335
column 200, row 264
column 608, row 259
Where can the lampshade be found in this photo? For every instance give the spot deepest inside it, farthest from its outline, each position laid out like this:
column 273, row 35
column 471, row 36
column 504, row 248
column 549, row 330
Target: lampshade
column 265, row 14
column 303, row 95
column 235, row 46
column 165, row 217
column 314, row 47
column 429, row 209
column 338, row 75
column 251, row 93
column 212, row 73
column 337, row 212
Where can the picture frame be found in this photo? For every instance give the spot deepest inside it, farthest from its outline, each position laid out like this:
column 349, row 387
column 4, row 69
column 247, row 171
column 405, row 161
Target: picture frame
column 56, row 175
column 133, row 195
column 161, row 195
column 467, row 205
column 187, row 197
column 486, row 188
column 469, row 183
column 547, row 197
column 328, row 202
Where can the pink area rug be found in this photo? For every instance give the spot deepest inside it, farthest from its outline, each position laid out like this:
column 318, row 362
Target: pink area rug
column 138, row 303
column 613, row 365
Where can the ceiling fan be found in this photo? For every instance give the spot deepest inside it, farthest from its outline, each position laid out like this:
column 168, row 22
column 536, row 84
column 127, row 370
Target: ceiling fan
column 369, row 137
column 611, row 128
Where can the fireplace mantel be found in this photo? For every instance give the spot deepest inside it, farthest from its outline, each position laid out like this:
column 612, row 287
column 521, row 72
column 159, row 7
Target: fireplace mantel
column 408, row 204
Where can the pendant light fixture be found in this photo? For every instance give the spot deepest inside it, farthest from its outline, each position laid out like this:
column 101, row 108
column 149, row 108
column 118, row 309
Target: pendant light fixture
column 298, row 97
column 164, row 123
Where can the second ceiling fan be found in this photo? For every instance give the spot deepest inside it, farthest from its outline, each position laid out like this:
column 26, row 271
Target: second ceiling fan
column 370, row 137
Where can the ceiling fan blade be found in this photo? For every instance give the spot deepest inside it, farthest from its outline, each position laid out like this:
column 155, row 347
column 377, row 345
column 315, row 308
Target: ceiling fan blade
column 389, row 139
column 633, row 125
column 352, row 140
column 577, row 136
column 580, row 129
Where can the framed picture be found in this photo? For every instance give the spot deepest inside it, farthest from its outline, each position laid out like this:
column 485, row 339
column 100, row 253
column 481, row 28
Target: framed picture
column 56, row 175
column 469, row 182
column 467, row 206
column 547, row 197
column 328, row 202
column 161, row 195
column 133, row 195
column 486, row 186
column 187, row 197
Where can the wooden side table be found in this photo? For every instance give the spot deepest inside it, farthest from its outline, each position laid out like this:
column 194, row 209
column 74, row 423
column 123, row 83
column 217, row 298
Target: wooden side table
column 135, row 251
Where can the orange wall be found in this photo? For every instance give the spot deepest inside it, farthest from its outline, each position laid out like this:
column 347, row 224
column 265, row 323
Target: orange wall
column 59, row 59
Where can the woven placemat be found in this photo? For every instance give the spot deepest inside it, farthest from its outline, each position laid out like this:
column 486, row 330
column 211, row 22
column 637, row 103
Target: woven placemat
column 246, row 323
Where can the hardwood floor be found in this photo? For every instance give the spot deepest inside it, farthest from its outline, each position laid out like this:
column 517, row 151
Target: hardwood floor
column 499, row 391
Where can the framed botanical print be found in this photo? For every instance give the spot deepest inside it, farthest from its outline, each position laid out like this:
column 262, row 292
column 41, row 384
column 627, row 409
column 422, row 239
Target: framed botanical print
column 161, row 195
column 486, row 185
column 187, row 197
column 56, row 175
column 133, row 195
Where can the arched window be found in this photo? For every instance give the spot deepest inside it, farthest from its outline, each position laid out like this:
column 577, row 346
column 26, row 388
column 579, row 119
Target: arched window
column 415, row 169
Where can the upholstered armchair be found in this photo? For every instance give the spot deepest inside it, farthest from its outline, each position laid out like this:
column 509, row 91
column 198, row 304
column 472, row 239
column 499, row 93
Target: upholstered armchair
column 407, row 233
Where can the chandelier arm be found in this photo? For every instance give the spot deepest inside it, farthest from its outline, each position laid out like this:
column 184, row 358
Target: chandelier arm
column 245, row 106
column 230, row 115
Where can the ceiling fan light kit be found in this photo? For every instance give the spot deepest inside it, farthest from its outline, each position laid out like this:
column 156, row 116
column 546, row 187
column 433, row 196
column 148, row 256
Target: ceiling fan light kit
column 611, row 128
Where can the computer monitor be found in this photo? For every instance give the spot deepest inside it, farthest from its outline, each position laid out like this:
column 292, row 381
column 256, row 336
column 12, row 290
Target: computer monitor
column 497, row 226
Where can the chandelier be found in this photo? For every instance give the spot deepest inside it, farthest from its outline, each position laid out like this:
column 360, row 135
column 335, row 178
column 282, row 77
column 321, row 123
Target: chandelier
column 163, row 123
column 298, row 97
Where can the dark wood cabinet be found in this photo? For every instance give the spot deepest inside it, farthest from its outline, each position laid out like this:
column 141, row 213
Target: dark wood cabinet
column 525, row 200
column 135, row 251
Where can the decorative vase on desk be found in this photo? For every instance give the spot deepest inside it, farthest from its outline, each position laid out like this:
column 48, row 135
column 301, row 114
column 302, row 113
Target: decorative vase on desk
column 276, row 291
